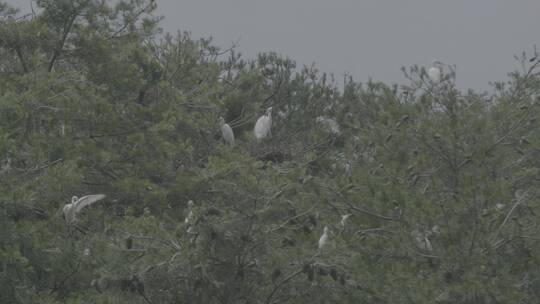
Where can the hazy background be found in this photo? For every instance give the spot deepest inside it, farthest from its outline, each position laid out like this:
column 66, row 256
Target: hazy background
column 368, row 38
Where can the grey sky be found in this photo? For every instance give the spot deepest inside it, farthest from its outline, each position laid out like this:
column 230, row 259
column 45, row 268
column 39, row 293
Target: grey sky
column 369, row 38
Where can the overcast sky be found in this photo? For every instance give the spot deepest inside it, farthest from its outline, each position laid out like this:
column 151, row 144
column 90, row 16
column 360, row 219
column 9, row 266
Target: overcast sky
column 368, row 38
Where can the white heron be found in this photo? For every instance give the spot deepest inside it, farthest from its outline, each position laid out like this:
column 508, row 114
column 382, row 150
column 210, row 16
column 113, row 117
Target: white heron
column 329, row 123
column 77, row 204
column 421, row 240
column 190, row 216
column 435, row 72
column 324, row 238
column 348, row 167
column 426, row 245
column 62, row 129
column 226, row 132
column 344, row 219
column 6, row 165
column 263, row 125
column 435, row 230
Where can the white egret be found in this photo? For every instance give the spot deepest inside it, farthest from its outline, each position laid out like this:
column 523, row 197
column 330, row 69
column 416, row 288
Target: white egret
column 77, row 204
column 190, row 216
column 189, row 220
column 324, row 238
column 427, row 245
column 329, row 123
column 344, row 219
column 226, row 132
column 263, row 125
column 423, row 243
column 421, row 240
column 435, row 72
column 348, row 167
column 6, row 165
column 435, row 230
column 62, row 129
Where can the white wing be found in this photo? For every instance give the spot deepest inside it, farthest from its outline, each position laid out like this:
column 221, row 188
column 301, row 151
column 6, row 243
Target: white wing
column 87, row 200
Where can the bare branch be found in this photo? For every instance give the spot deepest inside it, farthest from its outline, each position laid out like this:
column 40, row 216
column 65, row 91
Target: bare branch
column 289, row 220
column 21, row 58
column 361, row 210
column 278, row 285
column 58, row 50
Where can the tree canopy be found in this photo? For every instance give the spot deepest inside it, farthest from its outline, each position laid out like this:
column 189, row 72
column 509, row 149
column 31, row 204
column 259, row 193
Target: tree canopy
column 441, row 185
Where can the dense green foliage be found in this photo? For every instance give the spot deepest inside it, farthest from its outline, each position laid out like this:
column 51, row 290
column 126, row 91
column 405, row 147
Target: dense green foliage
column 95, row 99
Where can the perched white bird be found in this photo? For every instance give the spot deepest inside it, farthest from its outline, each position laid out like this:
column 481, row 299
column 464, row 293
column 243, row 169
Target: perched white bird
column 435, row 72
column 348, row 168
column 6, row 166
column 435, row 230
column 329, row 123
column 263, row 125
column 226, row 132
column 426, row 245
column 62, row 129
column 77, row 204
column 190, row 216
column 324, row 238
column 421, row 240
column 344, row 219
